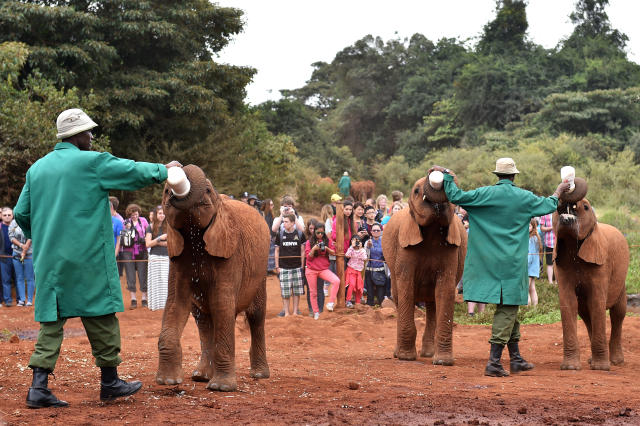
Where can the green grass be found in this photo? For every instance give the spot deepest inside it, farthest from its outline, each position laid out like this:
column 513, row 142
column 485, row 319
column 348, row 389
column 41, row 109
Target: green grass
column 629, row 224
column 546, row 312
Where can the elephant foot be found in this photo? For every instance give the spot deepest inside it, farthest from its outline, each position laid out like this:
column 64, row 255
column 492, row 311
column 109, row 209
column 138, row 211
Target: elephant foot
column 163, row 378
column 446, row 360
column 203, row 372
column 260, row 373
column 223, row 384
column 200, row 376
column 406, row 354
column 615, row 356
column 600, row 365
column 427, row 353
column 570, row 365
column 618, row 360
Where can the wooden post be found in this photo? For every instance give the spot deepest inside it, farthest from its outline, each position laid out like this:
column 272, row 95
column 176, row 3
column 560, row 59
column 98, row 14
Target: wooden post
column 340, row 253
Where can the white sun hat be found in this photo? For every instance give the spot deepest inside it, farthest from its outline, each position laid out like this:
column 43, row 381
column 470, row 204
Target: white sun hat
column 506, row 166
column 73, row 121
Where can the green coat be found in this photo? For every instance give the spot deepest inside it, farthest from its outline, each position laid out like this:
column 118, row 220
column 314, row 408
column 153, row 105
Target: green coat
column 495, row 269
column 64, row 209
column 344, row 185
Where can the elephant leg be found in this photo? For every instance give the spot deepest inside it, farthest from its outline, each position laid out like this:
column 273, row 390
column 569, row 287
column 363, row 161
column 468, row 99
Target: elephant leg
column 445, row 299
column 258, row 352
column 583, row 311
column 617, row 314
column 204, row 370
column 568, row 313
column 224, row 375
column 406, row 325
column 428, row 348
column 174, row 319
column 599, row 348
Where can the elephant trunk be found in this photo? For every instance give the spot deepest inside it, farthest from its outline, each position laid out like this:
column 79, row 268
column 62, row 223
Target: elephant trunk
column 178, row 182
column 188, row 187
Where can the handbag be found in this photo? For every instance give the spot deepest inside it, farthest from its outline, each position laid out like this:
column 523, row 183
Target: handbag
column 378, row 277
column 128, row 236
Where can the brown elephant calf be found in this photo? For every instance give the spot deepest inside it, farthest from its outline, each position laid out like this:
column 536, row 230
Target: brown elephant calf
column 425, row 246
column 591, row 262
column 218, row 250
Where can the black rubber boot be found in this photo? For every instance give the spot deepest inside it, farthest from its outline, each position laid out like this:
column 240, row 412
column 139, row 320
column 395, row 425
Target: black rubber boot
column 39, row 395
column 112, row 387
column 494, row 367
column 517, row 363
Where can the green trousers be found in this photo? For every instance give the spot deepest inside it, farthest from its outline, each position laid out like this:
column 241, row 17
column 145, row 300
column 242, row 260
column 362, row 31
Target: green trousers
column 103, row 333
column 506, row 328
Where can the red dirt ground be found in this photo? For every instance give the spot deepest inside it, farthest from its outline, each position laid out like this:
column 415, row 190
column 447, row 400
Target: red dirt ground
column 312, row 365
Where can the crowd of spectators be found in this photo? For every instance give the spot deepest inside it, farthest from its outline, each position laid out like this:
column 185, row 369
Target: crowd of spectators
column 302, row 255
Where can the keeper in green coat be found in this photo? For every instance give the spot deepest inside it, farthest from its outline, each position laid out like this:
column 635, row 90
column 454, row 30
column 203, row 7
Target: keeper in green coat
column 344, row 185
column 64, row 209
column 495, row 269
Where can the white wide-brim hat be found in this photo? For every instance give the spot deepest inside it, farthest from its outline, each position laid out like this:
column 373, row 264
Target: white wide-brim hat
column 73, row 121
column 506, row 166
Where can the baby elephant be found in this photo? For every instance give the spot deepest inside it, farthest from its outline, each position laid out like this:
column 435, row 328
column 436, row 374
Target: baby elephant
column 218, row 250
column 425, row 247
column 591, row 261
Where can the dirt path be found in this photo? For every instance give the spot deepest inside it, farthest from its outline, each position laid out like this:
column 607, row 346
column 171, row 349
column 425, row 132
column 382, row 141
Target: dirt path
column 312, row 364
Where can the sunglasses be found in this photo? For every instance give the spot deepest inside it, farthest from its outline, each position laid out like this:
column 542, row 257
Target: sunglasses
column 319, row 232
column 376, row 230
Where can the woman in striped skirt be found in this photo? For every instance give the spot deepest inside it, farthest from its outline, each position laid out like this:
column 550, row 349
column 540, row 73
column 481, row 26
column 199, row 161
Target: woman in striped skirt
column 158, row 272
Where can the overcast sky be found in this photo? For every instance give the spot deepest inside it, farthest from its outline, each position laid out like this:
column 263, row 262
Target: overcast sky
column 282, row 38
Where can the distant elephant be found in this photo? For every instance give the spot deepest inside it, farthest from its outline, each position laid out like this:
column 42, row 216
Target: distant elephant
column 361, row 190
column 218, row 249
column 425, row 246
column 591, row 261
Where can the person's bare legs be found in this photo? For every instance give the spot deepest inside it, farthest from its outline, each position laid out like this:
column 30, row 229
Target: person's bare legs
column 481, row 307
column 550, row 273
column 285, row 307
column 533, row 294
column 296, row 301
column 471, row 308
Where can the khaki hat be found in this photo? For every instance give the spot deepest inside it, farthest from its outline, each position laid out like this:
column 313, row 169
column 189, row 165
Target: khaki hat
column 335, row 197
column 506, row 166
column 73, row 121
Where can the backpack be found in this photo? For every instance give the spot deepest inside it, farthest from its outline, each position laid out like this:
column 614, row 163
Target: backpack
column 128, row 236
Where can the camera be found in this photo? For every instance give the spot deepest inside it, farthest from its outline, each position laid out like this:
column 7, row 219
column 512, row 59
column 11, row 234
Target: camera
column 321, row 245
column 254, row 201
column 358, row 243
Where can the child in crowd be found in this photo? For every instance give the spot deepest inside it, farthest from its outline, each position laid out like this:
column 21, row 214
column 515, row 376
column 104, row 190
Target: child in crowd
column 535, row 248
column 317, row 250
column 357, row 255
column 289, row 252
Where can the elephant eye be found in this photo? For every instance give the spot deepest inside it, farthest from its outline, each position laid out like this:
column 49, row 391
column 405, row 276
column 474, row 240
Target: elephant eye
column 586, row 207
column 208, row 190
column 166, row 191
column 416, row 191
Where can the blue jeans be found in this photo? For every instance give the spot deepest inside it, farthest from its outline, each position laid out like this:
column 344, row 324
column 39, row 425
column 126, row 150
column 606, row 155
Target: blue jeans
column 6, row 270
column 24, row 271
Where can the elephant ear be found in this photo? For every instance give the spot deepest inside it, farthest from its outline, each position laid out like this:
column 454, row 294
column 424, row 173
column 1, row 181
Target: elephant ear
column 453, row 236
column 175, row 242
column 409, row 232
column 220, row 238
column 594, row 247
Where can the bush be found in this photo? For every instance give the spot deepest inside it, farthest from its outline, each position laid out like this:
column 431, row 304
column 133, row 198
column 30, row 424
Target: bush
column 312, row 194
